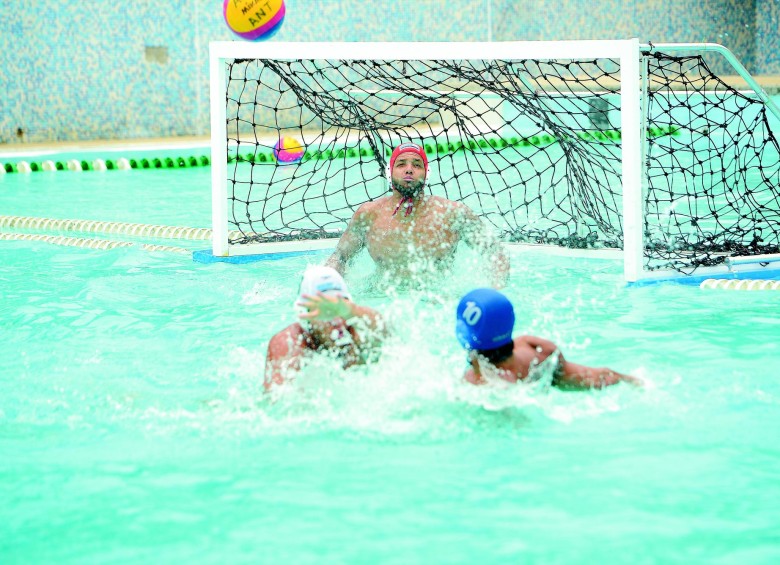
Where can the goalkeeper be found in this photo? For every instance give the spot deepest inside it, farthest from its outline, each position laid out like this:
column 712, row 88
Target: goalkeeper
column 410, row 234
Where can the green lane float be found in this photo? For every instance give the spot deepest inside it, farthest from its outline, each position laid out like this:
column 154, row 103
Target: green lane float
column 433, row 147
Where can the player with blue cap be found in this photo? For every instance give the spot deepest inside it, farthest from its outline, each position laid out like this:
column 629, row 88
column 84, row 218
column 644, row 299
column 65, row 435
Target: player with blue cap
column 485, row 319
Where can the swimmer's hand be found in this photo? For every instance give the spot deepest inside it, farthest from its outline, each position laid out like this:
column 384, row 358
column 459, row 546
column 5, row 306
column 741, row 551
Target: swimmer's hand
column 636, row 381
column 321, row 307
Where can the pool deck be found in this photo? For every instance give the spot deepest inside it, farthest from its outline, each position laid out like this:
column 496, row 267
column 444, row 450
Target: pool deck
column 181, row 142
column 770, row 83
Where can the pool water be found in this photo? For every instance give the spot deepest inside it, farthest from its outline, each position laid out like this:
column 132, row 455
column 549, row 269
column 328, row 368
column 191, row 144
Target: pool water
column 134, row 426
column 153, row 196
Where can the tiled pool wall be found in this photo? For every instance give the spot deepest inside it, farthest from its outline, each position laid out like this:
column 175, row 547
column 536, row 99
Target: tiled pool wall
column 125, row 70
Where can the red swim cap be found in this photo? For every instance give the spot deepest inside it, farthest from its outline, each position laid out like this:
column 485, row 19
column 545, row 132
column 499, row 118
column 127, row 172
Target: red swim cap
column 409, row 148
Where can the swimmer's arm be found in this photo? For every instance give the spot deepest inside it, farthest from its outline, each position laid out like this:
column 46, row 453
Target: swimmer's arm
column 368, row 328
column 364, row 316
column 322, row 307
column 544, row 347
column 479, row 237
column 351, row 242
column 579, row 377
column 369, row 323
column 282, row 360
column 573, row 376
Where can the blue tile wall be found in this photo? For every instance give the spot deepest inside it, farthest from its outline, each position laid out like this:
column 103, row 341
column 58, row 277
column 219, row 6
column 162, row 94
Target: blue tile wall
column 78, row 70
column 767, row 36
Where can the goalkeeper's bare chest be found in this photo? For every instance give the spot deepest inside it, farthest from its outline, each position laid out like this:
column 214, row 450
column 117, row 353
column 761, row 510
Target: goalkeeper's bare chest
column 397, row 234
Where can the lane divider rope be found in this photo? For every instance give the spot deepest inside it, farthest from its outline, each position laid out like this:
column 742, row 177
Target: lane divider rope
column 744, row 284
column 88, row 243
column 122, row 163
column 93, row 226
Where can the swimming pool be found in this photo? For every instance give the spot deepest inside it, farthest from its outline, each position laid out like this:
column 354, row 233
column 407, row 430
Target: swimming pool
column 135, row 427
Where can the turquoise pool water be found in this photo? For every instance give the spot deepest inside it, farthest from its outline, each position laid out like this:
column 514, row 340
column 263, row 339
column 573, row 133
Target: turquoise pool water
column 134, row 427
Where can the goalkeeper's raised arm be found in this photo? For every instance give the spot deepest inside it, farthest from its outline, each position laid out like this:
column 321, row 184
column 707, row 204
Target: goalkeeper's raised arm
column 412, row 235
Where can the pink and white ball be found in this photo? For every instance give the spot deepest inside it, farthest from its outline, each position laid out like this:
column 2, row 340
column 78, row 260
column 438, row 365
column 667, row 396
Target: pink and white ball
column 288, row 150
column 253, row 20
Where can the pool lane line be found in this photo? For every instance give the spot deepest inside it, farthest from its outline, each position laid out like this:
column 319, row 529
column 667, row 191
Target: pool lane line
column 741, row 284
column 89, row 243
column 122, row 163
column 100, row 227
column 435, row 148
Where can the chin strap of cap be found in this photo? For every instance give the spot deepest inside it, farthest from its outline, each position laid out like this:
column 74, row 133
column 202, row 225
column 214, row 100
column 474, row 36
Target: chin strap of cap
column 404, row 200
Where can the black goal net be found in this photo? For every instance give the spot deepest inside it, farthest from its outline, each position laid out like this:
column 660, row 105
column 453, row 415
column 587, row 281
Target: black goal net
column 532, row 146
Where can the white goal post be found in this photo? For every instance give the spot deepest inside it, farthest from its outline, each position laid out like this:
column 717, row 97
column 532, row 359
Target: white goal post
column 235, row 231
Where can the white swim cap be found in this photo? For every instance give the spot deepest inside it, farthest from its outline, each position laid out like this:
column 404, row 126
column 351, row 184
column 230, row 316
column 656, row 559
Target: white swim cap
column 326, row 280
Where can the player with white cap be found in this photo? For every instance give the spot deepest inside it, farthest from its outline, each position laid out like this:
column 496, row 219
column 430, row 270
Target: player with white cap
column 328, row 321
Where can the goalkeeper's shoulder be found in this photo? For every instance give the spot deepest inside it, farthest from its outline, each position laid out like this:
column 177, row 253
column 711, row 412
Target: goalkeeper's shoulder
column 366, row 209
column 456, row 210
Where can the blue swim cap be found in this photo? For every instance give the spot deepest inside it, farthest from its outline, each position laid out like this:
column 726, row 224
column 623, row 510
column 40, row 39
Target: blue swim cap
column 485, row 319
